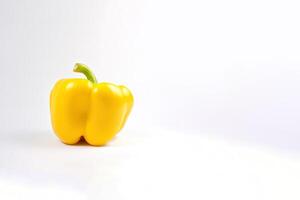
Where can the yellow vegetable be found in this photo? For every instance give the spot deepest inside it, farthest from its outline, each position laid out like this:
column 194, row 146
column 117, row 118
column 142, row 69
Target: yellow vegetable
column 84, row 108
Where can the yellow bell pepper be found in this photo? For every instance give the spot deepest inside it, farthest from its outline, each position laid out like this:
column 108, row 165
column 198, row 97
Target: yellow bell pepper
column 85, row 109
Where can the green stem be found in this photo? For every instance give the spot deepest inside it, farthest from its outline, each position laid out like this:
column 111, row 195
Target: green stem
column 86, row 71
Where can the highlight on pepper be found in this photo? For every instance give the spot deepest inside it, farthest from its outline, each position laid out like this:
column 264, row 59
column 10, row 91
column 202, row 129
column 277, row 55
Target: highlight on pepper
column 86, row 109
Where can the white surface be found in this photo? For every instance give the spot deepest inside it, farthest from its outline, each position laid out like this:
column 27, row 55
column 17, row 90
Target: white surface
column 144, row 165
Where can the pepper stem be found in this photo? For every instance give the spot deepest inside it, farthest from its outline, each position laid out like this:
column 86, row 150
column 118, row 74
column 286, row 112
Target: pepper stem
column 82, row 68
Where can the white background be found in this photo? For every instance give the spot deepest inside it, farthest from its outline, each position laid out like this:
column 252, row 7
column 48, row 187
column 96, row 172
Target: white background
column 227, row 70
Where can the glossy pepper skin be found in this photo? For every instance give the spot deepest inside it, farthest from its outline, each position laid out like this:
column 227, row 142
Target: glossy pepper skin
column 84, row 108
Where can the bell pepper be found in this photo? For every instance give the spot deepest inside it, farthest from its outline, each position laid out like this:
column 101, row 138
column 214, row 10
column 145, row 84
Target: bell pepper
column 85, row 109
